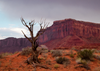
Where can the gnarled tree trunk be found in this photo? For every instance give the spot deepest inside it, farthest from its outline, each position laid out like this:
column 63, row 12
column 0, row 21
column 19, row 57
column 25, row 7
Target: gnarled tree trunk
column 33, row 39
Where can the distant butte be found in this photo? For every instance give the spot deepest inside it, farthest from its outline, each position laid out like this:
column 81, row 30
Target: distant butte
column 70, row 32
column 63, row 34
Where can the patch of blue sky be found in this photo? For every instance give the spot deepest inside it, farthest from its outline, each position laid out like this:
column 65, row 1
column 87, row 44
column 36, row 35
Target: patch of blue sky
column 7, row 22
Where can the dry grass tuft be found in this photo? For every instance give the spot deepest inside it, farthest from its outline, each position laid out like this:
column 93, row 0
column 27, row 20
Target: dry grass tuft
column 56, row 53
column 56, row 66
column 26, row 51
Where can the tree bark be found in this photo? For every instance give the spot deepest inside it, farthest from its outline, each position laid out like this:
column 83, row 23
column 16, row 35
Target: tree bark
column 33, row 40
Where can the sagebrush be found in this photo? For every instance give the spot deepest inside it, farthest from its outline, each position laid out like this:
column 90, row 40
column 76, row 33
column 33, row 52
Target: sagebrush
column 56, row 53
column 63, row 60
column 86, row 54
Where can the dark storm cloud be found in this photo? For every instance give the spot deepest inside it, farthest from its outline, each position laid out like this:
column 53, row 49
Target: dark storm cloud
column 53, row 9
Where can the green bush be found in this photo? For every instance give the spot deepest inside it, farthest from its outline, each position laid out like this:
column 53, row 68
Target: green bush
column 72, row 55
column 85, row 54
column 84, row 57
column 26, row 51
column 63, row 60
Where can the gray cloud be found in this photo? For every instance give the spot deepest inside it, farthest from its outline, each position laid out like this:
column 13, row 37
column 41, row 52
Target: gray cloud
column 12, row 32
column 88, row 10
column 8, row 33
column 51, row 10
column 16, row 32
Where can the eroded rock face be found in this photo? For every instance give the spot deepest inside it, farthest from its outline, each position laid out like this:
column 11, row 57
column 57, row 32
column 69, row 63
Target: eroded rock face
column 88, row 33
column 63, row 28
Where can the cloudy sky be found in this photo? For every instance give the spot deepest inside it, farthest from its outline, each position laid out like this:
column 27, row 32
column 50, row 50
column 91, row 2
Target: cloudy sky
column 12, row 10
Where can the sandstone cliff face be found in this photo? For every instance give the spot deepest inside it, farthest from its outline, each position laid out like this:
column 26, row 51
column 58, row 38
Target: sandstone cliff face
column 86, row 29
column 63, row 28
column 59, row 29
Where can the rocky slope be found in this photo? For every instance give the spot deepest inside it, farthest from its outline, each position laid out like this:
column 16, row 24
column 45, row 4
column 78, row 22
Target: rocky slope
column 62, row 34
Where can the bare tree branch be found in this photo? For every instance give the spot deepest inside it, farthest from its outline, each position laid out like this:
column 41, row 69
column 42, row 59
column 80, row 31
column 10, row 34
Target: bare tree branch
column 25, row 24
column 27, row 37
column 33, row 40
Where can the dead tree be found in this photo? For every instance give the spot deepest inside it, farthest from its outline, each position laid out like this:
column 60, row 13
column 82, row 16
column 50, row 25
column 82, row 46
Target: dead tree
column 33, row 40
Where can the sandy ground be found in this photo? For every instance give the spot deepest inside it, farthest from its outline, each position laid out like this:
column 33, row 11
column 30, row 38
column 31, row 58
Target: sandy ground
column 16, row 62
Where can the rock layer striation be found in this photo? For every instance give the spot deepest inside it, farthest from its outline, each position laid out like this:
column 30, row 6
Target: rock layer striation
column 71, row 32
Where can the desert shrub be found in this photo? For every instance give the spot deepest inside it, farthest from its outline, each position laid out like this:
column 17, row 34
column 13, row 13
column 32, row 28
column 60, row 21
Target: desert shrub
column 84, row 63
column 72, row 55
column 44, row 47
column 1, row 56
column 5, row 54
column 78, row 60
column 26, row 51
column 56, row 53
column 56, row 66
column 85, row 54
column 41, row 58
column 93, row 50
column 42, row 50
column 97, row 51
column 64, row 52
column 97, row 57
column 44, row 55
column 84, row 57
column 48, row 62
column 63, row 60
column 51, row 51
